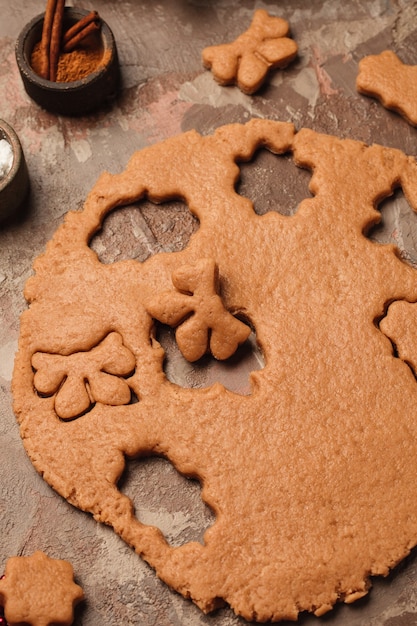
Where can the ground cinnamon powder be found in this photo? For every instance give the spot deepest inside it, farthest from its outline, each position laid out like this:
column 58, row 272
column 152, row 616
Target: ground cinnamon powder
column 76, row 64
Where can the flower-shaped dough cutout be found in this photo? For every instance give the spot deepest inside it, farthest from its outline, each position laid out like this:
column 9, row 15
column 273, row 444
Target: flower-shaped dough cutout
column 39, row 591
column 386, row 77
column 198, row 312
column 247, row 60
column 82, row 378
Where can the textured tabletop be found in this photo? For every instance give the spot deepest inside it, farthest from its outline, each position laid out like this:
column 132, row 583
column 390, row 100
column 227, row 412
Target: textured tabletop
column 165, row 91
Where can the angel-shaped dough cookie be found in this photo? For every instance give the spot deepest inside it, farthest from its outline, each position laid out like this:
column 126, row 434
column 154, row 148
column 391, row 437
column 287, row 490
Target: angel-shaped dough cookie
column 247, row 60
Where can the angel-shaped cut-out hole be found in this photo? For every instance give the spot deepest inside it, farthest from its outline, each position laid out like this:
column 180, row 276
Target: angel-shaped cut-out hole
column 195, row 308
column 399, row 324
column 398, row 225
column 81, row 379
column 233, row 373
column 140, row 230
column 166, row 499
column 273, row 183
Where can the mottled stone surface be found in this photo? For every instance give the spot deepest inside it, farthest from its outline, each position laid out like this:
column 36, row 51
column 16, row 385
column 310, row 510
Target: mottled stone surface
column 165, row 91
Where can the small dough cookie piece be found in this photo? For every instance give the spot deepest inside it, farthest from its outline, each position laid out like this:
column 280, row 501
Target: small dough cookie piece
column 386, row 77
column 39, row 591
column 247, row 60
column 196, row 309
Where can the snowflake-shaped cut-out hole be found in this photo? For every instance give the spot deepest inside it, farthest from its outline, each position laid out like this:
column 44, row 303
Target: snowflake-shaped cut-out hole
column 196, row 310
column 39, row 591
column 83, row 378
column 247, row 60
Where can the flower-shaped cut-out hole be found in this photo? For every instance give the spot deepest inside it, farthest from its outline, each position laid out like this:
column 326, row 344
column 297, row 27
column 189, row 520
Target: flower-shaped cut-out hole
column 83, row 378
column 273, row 183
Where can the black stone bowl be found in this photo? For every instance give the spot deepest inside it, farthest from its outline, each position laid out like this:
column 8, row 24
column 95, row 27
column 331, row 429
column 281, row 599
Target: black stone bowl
column 69, row 98
column 15, row 184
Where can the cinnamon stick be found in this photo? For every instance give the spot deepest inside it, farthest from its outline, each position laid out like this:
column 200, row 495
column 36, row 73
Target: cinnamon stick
column 56, row 39
column 46, row 38
column 72, row 43
column 50, row 46
column 80, row 25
